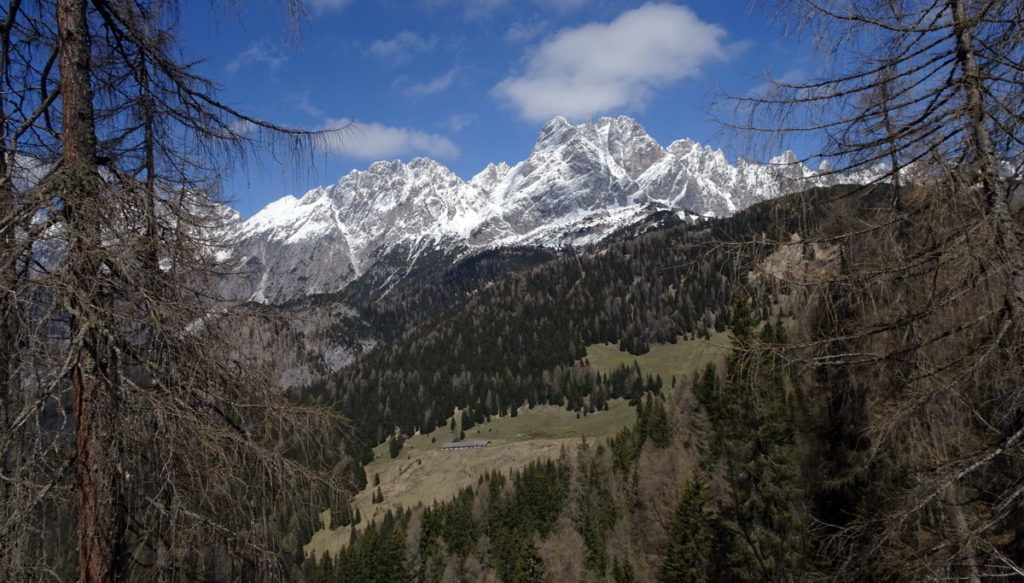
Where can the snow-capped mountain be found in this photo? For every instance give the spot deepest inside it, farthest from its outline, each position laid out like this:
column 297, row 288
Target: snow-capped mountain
column 579, row 184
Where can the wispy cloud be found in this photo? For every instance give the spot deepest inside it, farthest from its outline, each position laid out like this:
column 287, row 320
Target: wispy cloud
column 764, row 88
column 401, row 47
column 328, row 5
column 259, row 53
column 476, row 9
column 375, row 141
column 460, row 121
column 242, row 127
column 479, row 9
column 435, row 85
column 521, row 32
column 567, row 4
column 601, row 67
column 482, row 8
column 303, row 103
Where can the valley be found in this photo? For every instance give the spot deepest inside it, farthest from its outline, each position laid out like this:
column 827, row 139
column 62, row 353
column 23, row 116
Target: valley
column 422, row 474
column 501, row 331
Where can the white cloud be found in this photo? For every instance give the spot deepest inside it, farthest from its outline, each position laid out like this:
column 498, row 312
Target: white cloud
column 374, row 141
column 242, row 127
column 435, row 85
column 600, row 67
column 764, row 89
column 401, row 47
column 328, row 5
column 566, row 4
column 260, row 53
column 460, row 121
column 476, row 9
column 305, row 105
column 520, row 32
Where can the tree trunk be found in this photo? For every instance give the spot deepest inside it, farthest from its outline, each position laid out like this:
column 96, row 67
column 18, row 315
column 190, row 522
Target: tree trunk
column 987, row 163
column 152, row 259
column 11, row 396
column 90, row 379
column 79, row 128
column 10, row 388
column 953, row 503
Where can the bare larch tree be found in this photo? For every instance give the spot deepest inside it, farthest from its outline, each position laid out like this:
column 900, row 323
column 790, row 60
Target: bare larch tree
column 139, row 443
column 916, row 333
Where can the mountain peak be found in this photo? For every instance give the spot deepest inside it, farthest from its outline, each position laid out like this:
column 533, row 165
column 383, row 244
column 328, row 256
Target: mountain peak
column 487, row 179
column 579, row 183
column 420, row 162
column 555, row 131
column 381, row 167
column 620, row 122
column 555, row 122
column 786, row 158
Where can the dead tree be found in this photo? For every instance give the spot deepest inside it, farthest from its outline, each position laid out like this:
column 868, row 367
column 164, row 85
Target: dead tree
column 137, row 415
column 916, row 335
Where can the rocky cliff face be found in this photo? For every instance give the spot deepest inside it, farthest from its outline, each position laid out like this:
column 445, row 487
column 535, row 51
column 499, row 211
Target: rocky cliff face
column 580, row 183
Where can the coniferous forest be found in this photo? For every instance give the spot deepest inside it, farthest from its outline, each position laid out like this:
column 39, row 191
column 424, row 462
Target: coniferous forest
column 865, row 421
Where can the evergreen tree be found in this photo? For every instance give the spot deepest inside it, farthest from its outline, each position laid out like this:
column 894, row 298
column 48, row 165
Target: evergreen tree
column 707, row 390
column 642, row 420
column 688, row 555
column 658, row 428
column 755, row 444
column 742, row 321
column 395, row 445
column 325, row 569
column 622, row 571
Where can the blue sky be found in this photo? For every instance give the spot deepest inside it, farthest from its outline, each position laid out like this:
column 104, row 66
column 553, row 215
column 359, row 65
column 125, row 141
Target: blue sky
column 468, row 82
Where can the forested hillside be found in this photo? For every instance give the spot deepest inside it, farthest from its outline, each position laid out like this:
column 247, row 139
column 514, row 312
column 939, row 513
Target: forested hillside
column 825, row 386
column 308, row 339
column 706, row 488
column 519, row 340
column 748, row 472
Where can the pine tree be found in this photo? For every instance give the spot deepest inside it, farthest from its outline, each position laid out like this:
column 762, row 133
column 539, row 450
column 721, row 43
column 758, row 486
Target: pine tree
column 742, row 321
column 325, row 569
column 395, row 444
column 466, row 421
column 622, row 571
column 688, row 554
column 643, row 420
column 755, row 444
column 658, row 427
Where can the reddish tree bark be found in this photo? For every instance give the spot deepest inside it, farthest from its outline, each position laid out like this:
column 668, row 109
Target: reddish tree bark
column 92, row 396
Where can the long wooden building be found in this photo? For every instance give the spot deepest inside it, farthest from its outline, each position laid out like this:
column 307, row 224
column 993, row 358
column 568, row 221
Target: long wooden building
column 457, row 445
